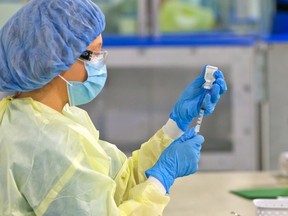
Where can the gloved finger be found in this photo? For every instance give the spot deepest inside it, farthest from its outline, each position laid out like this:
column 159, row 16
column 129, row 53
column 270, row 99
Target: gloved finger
column 199, row 81
column 197, row 147
column 218, row 74
column 189, row 134
column 196, row 168
column 198, row 139
column 220, row 80
column 215, row 93
column 222, row 84
column 209, row 106
column 193, row 86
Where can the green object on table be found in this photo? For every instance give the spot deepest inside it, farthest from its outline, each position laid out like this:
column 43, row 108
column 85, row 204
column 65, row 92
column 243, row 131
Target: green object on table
column 261, row 193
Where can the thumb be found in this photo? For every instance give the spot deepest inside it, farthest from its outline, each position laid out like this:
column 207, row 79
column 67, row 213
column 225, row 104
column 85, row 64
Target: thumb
column 189, row 134
column 209, row 106
column 199, row 139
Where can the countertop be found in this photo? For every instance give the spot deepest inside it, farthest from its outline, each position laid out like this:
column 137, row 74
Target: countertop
column 208, row 193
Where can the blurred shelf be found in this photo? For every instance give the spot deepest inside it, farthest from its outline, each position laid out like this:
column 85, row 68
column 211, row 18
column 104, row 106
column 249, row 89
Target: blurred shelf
column 274, row 39
column 181, row 40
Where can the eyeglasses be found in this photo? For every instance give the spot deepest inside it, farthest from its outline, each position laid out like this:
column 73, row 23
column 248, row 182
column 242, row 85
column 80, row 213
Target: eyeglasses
column 96, row 57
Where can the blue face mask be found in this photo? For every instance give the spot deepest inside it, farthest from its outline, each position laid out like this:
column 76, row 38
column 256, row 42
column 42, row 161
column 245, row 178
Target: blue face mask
column 83, row 92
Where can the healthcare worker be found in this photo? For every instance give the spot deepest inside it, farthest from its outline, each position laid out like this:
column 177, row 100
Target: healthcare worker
column 52, row 161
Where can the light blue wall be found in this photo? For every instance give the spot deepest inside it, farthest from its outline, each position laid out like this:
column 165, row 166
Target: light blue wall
column 7, row 10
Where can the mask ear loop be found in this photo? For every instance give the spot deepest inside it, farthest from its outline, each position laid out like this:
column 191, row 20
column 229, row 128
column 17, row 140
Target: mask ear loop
column 65, row 80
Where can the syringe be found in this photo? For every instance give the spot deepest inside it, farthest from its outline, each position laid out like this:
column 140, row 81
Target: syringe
column 209, row 79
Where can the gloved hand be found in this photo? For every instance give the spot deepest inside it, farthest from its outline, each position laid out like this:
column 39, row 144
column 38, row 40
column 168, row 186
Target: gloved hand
column 179, row 159
column 189, row 103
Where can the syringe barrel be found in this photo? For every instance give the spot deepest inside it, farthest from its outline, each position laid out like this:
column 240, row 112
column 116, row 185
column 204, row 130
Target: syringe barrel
column 199, row 121
column 209, row 79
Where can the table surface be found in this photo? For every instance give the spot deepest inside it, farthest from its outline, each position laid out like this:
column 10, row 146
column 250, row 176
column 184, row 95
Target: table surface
column 208, row 193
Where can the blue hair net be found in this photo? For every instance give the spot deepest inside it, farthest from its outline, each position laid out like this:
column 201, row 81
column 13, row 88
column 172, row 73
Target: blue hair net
column 44, row 38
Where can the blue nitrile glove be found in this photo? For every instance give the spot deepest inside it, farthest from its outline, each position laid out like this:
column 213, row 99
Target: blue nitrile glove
column 179, row 159
column 189, row 103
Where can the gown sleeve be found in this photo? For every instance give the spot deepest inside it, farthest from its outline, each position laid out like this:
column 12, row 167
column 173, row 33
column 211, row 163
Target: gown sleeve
column 134, row 195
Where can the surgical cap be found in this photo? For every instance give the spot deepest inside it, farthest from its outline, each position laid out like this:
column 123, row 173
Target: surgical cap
column 44, row 38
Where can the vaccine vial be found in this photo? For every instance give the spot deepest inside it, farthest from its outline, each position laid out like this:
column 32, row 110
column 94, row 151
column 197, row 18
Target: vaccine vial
column 209, row 76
